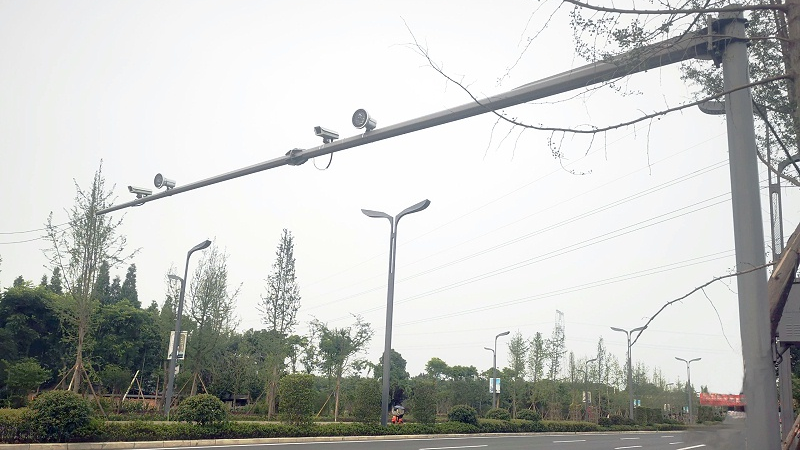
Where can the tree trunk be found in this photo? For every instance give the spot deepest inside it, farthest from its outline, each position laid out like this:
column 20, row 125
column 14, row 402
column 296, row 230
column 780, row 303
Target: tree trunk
column 77, row 374
column 272, row 392
column 194, row 384
column 336, row 403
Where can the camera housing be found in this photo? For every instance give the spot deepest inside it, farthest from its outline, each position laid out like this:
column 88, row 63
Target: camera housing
column 327, row 135
column 140, row 192
column 160, row 181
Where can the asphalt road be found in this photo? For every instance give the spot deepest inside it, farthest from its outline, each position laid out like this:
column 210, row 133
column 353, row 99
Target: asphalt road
column 713, row 439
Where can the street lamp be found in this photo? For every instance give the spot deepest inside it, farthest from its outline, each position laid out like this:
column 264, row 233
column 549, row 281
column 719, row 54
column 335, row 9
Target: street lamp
column 390, row 295
column 689, row 383
column 630, row 384
column 494, row 368
column 586, row 393
column 173, row 358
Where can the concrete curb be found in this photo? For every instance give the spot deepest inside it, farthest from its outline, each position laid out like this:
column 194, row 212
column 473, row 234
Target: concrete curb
column 258, row 441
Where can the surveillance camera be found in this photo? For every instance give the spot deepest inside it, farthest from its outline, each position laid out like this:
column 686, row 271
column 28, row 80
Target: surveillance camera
column 327, row 135
column 160, row 182
column 140, row 192
column 361, row 119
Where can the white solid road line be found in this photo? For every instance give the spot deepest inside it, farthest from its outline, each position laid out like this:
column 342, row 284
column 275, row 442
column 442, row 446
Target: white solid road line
column 629, row 439
column 564, row 442
column 694, row 446
column 632, row 446
column 444, row 448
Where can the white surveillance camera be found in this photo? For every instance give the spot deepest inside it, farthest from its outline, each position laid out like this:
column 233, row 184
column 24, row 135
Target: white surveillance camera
column 327, row 135
column 361, row 119
column 140, row 192
column 160, row 182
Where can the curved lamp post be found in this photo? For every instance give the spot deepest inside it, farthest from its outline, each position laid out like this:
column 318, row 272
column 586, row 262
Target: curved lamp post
column 390, row 295
column 173, row 359
column 494, row 368
column 689, row 383
column 630, row 383
column 586, row 393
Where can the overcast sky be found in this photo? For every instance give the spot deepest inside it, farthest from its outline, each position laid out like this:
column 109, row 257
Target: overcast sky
column 606, row 234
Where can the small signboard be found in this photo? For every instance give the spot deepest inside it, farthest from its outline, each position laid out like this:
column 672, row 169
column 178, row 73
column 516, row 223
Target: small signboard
column 494, row 382
column 181, row 344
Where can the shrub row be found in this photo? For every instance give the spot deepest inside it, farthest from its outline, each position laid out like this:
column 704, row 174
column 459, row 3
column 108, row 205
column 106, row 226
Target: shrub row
column 100, row 431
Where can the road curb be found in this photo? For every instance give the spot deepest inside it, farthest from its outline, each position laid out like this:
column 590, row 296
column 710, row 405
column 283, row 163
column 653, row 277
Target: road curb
column 126, row 445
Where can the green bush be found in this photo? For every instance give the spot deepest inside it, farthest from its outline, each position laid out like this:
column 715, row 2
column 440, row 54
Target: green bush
column 57, row 415
column 464, row 414
column 423, row 402
column 527, row 414
column 615, row 420
column 203, row 409
column 15, row 425
column 296, row 393
column 497, row 413
column 367, row 401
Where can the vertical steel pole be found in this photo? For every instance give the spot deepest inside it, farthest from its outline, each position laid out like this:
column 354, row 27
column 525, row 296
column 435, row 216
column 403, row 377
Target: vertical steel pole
column 761, row 428
column 630, row 380
column 387, row 346
column 494, row 374
column 173, row 360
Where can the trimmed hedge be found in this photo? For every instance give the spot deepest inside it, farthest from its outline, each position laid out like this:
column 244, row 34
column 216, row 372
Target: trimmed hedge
column 13, row 426
column 204, row 409
column 497, row 413
column 57, row 415
column 464, row 414
column 527, row 414
column 297, row 398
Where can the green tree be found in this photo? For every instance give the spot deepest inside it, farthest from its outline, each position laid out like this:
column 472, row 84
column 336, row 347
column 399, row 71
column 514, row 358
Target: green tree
column 437, row 368
column 102, row 285
column 279, row 311
column 423, row 401
column 25, row 376
column 128, row 289
column 337, row 349
column 31, row 327
column 78, row 250
column 211, row 307
column 55, row 281
column 367, row 401
column 398, row 377
column 130, row 338
column 517, row 352
column 537, row 357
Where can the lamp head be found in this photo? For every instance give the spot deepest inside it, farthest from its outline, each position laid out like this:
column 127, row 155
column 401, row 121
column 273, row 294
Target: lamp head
column 200, row 246
column 504, row 333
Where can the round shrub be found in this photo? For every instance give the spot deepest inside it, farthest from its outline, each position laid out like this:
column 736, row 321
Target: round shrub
column 296, row 393
column 527, row 414
column 497, row 413
column 204, row 409
column 57, row 415
column 464, row 414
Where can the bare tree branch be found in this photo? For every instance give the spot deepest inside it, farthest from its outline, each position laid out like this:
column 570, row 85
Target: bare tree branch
column 699, row 288
column 773, row 7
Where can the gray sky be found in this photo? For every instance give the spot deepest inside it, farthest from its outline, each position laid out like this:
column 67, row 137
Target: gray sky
column 607, row 234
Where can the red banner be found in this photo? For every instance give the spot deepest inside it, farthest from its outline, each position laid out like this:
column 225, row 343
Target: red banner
column 721, row 399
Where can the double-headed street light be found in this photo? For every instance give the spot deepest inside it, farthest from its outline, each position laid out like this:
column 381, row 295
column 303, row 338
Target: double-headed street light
column 387, row 348
column 630, row 383
column 494, row 368
column 689, row 383
column 173, row 355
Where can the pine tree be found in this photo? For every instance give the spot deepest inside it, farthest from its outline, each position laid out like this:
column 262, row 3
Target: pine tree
column 128, row 291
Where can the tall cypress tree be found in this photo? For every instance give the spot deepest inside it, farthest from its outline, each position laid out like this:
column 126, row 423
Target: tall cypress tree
column 128, row 291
